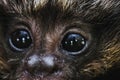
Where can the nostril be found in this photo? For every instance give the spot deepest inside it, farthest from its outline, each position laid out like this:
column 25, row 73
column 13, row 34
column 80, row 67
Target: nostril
column 33, row 61
column 48, row 61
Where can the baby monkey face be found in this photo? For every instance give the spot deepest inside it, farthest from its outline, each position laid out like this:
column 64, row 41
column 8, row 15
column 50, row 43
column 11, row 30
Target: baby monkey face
column 59, row 39
column 45, row 50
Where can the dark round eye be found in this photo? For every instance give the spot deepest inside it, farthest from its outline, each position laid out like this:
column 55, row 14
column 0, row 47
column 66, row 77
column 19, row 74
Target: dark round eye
column 73, row 42
column 20, row 39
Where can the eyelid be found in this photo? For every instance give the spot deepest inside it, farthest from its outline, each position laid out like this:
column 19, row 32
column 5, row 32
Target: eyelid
column 22, row 24
column 78, row 27
column 18, row 25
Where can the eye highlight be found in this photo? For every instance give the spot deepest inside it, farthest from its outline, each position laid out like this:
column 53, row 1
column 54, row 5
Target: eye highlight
column 73, row 42
column 20, row 39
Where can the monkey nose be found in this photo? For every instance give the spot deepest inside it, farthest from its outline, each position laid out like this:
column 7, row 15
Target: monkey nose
column 41, row 64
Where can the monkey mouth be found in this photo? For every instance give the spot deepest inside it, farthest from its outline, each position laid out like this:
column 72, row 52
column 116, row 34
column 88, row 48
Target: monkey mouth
column 25, row 75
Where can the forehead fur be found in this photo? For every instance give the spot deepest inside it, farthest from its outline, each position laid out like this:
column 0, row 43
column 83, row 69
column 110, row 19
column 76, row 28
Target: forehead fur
column 64, row 3
column 36, row 4
column 105, row 4
column 87, row 9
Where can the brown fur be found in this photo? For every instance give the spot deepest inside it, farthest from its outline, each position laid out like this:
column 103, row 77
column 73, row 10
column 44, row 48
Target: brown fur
column 98, row 19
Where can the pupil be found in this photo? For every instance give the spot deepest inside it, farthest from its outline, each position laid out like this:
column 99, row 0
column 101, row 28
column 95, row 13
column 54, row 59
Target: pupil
column 73, row 42
column 20, row 39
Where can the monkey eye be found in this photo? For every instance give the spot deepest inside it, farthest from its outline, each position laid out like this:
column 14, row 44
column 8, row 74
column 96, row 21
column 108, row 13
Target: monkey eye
column 73, row 42
column 20, row 39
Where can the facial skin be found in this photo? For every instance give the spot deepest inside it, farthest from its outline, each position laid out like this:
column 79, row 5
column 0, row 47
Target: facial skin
column 59, row 39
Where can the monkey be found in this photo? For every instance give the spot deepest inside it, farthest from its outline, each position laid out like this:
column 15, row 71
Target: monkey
column 59, row 40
